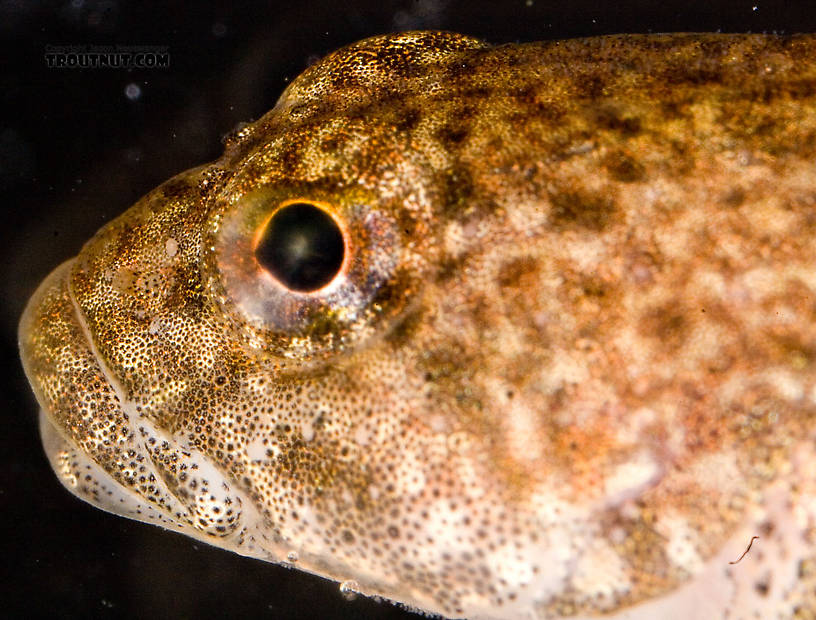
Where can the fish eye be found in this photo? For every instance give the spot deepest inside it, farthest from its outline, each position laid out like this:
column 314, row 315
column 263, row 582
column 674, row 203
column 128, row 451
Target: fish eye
column 302, row 246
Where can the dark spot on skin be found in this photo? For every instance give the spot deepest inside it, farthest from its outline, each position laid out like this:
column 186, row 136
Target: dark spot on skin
column 407, row 223
column 591, row 87
column 531, row 108
column 451, row 136
column 681, row 163
column 610, row 118
column 694, row 71
column 792, row 348
column 408, row 119
column 466, row 112
column 672, row 110
column 458, row 69
column 496, row 143
column 525, row 93
column 402, row 333
column 449, row 267
column 734, row 197
column 476, row 92
column 762, row 588
column 623, row 168
column 513, row 271
column 713, row 48
column 176, row 189
column 585, row 209
column 593, row 287
column 801, row 89
column 667, row 324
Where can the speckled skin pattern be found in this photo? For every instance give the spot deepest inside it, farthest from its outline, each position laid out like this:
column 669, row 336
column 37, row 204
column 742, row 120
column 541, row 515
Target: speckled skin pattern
column 568, row 367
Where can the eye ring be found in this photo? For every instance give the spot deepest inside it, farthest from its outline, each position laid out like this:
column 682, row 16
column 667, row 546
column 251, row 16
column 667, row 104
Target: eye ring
column 302, row 246
column 366, row 291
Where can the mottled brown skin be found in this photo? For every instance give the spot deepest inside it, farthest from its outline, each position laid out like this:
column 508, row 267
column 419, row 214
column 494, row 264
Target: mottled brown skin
column 568, row 367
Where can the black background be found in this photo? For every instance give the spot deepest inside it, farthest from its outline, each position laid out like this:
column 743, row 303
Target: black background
column 75, row 152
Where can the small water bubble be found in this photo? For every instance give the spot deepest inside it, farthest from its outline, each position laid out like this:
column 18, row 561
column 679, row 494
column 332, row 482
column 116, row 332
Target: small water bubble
column 349, row 589
column 132, row 91
column 292, row 556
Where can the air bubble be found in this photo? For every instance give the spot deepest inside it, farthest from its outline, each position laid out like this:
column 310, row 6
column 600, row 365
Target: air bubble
column 292, row 556
column 349, row 589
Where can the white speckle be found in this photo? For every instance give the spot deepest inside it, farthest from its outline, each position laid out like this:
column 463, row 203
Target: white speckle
column 154, row 327
column 349, row 589
column 307, row 430
column 786, row 384
column 521, row 432
column 257, row 449
column 630, row 478
column 171, row 247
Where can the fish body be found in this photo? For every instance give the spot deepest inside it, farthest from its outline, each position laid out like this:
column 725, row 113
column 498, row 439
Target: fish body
column 517, row 331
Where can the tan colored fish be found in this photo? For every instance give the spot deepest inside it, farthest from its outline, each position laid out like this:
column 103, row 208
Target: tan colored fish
column 525, row 331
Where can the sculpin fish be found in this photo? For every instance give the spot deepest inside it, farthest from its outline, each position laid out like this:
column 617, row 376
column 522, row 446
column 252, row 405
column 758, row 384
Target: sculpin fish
column 516, row 331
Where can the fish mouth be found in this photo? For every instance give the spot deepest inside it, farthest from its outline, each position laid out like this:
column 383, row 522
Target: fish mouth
column 84, row 477
column 102, row 449
column 59, row 361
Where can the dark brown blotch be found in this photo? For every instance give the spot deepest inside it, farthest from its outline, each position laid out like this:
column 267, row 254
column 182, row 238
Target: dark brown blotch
column 514, row 272
column 792, row 348
column 449, row 268
column 623, row 167
column 476, row 92
column 672, row 110
column 452, row 135
column 582, row 208
column 403, row 331
column 408, row 119
column 801, row 89
column 610, row 118
column 733, row 197
column 667, row 323
column 590, row 87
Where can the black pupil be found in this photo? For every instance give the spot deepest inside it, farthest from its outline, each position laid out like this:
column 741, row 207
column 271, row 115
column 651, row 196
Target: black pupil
column 302, row 247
